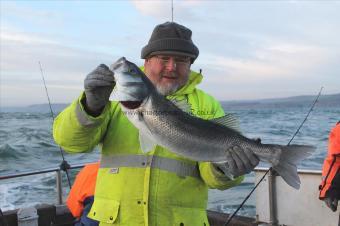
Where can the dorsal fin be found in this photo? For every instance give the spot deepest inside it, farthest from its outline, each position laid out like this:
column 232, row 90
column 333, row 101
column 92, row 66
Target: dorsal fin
column 229, row 120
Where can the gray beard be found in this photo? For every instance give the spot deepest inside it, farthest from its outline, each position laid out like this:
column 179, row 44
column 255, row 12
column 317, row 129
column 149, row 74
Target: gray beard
column 167, row 89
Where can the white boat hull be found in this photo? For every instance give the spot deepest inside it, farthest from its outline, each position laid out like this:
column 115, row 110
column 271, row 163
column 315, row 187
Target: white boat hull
column 293, row 207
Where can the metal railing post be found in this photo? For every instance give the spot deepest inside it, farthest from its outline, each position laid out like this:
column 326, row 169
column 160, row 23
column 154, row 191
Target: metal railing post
column 59, row 184
column 272, row 198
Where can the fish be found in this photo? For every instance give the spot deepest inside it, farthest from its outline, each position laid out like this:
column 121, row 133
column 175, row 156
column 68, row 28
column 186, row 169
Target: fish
column 162, row 122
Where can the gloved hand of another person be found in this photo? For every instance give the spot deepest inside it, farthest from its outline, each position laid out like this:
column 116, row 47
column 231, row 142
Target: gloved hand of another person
column 332, row 195
column 98, row 87
column 239, row 161
column 332, row 203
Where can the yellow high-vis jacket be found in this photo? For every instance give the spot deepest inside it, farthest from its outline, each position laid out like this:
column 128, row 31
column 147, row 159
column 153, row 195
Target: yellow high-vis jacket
column 133, row 188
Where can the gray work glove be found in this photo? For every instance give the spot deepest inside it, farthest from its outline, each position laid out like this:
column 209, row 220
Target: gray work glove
column 98, row 87
column 239, row 161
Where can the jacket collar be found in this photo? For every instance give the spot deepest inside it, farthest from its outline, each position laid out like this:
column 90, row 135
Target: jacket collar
column 194, row 79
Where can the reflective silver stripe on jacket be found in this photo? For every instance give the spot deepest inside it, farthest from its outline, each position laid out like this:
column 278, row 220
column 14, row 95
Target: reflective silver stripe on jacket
column 181, row 168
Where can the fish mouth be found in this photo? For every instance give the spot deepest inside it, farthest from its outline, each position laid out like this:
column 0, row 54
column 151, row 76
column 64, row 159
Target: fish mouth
column 131, row 104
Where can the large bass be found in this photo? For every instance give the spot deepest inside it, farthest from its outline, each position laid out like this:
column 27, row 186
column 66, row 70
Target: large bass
column 161, row 122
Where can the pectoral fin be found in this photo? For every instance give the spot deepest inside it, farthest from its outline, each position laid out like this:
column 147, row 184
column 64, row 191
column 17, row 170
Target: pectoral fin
column 146, row 142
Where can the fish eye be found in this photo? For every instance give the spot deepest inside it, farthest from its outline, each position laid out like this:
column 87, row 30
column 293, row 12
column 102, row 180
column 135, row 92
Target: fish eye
column 132, row 70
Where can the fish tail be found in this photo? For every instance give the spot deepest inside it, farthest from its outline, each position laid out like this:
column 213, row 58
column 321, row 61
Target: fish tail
column 289, row 158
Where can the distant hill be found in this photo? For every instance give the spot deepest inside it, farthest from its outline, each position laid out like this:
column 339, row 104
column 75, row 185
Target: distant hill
column 332, row 100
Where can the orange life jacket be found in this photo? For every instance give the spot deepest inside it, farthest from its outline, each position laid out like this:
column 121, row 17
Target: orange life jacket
column 83, row 187
column 332, row 162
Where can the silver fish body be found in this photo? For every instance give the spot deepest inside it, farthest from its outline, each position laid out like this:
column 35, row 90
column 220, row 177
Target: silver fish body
column 161, row 122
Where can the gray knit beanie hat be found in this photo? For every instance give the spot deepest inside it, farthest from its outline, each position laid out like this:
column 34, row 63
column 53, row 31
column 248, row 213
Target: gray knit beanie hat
column 170, row 38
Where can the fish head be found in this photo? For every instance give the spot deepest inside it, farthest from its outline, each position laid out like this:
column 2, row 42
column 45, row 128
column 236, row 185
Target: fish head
column 122, row 65
column 131, row 84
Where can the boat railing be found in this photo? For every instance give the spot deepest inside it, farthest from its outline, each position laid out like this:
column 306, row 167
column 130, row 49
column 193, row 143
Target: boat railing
column 59, row 182
column 57, row 170
column 62, row 214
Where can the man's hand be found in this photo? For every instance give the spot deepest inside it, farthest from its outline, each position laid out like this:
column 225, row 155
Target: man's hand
column 239, row 161
column 98, row 87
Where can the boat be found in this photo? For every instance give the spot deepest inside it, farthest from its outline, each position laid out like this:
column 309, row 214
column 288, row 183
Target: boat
column 276, row 204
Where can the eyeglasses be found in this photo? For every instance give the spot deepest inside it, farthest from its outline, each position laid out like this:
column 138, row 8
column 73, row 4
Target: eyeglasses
column 178, row 61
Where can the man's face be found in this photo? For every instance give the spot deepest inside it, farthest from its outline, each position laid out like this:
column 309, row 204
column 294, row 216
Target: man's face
column 168, row 73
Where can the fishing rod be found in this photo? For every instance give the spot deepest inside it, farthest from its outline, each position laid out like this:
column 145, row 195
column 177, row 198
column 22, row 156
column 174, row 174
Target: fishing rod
column 271, row 169
column 172, row 10
column 64, row 164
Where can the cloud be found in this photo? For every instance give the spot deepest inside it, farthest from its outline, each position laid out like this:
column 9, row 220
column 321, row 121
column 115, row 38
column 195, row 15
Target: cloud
column 64, row 67
column 277, row 70
column 24, row 50
column 8, row 36
column 162, row 9
column 281, row 60
column 152, row 8
column 12, row 11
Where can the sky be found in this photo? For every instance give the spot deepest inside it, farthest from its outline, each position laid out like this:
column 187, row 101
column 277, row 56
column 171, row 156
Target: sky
column 248, row 49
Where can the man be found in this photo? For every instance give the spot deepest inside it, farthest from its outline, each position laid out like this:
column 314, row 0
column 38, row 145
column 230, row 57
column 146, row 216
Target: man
column 159, row 187
column 330, row 184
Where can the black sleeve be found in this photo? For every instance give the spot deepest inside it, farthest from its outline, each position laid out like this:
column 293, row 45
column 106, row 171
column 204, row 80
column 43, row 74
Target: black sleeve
column 334, row 189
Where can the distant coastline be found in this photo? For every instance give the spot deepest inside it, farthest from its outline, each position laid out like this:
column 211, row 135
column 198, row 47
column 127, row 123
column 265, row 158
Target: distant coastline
column 331, row 100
